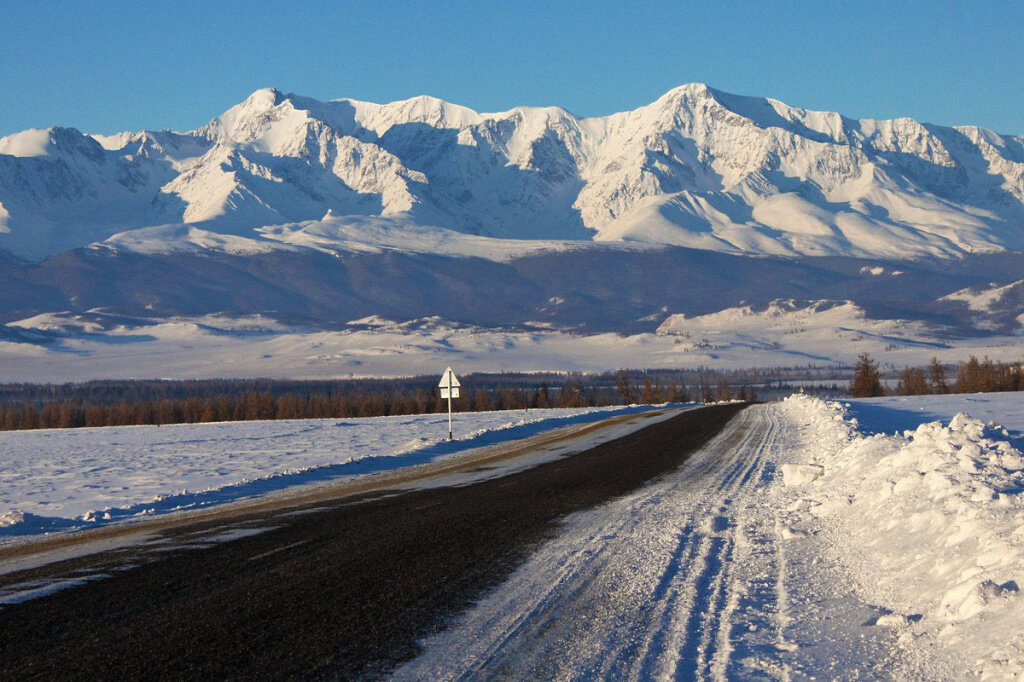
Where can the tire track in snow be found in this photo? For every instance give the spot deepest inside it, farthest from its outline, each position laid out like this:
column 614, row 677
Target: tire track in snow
column 689, row 629
column 713, row 621
column 682, row 580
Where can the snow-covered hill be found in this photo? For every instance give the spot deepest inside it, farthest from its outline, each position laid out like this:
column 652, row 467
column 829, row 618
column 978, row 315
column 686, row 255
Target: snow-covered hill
column 996, row 306
column 60, row 347
column 697, row 168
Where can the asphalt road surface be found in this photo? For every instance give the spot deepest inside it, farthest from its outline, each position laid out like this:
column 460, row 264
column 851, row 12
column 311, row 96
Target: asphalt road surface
column 343, row 589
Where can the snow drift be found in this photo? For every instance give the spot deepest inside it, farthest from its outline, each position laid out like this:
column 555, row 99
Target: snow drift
column 930, row 522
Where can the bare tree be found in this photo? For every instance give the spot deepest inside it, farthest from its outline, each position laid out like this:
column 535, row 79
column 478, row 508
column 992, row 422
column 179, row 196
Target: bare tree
column 912, row 382
column 624, row 388
column 937, row 377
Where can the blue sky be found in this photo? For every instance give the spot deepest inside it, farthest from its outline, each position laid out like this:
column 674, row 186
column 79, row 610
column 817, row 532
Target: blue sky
column 111, row 66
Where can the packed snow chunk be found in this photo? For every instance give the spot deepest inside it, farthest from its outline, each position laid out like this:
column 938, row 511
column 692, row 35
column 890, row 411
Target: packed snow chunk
column 12, row 518
column 414, row 444
column 892, row 620
column 789, row 533
column 972, row 428
column 889, row 619
column 801, row 474
column 969, row 599
column 799, row 505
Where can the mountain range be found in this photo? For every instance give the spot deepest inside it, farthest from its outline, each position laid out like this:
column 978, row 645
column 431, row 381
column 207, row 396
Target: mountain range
column 702, row 227
column 698, row 168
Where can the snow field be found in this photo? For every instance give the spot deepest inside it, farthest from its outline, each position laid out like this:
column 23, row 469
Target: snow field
column 929, row 522
column 60, row 479
column 98, row 346
column 895, row 414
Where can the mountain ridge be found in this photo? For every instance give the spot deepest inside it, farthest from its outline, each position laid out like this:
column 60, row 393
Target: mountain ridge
column 697, row 168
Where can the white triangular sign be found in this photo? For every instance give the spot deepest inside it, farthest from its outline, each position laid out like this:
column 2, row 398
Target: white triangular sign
column 448, row 379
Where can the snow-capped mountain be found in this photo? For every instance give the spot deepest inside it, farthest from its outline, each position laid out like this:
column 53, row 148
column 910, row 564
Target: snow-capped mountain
column 697, row 168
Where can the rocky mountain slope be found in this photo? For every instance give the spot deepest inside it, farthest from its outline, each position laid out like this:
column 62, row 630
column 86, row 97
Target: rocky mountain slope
column 697, row 168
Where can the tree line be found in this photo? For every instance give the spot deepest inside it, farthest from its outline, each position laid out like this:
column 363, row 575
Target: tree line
column 352, row 400
column 973, row 376
column 260, row 405
column 112, row 391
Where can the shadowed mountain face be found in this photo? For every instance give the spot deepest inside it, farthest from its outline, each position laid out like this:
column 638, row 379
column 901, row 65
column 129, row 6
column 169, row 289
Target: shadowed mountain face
column 698, row 168
column 586, row 290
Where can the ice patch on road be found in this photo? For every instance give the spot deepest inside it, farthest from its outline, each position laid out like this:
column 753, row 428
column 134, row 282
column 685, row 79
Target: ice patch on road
column 22, row 592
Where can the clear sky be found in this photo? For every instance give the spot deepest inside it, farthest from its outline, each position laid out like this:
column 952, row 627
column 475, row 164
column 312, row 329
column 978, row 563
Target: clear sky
column 109, row 66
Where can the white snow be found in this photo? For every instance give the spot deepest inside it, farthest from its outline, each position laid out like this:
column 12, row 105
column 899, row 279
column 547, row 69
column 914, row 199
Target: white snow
column 55, row 479
column 698, row 168
column 929, row 521
column 981, row 299
column 878, row 270
column 26, row 144
column 799, row 474
column 97, row 345
column 165, row 239
column 699, row 575
column 375, row 234
column 795, row 545
column 993, row 302
column 896, row 414
column 822, row 328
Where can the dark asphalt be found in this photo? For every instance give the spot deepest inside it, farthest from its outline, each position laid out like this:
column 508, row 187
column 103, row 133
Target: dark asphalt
column 341, row 592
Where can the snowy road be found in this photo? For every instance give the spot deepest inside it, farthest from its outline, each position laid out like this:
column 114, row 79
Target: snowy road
column 689, row 578
column 288, row 586
column 768, row 542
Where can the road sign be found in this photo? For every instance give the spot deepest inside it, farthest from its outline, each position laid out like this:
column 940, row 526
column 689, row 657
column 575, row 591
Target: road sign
column 449, row 386
column 448, row 379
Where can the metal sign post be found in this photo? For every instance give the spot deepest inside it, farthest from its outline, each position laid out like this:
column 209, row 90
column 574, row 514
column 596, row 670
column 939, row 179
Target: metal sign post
column 449, row 389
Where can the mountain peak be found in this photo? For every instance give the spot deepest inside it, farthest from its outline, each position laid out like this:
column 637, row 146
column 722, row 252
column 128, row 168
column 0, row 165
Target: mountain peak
column 245, row 121
column 688, row 91
column 694, row 88
column 37, row 142
column 264, row 98
column 27, row 143
column 436, row 112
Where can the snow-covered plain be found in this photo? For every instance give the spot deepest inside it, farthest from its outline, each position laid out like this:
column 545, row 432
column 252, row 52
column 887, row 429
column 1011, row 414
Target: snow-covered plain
column 60, row 479
column 98, row 346
column 897, row 414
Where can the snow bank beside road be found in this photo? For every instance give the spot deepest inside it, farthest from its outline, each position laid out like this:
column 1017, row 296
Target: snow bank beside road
column 895, row 414
column 930, row 523
column 61, row 479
